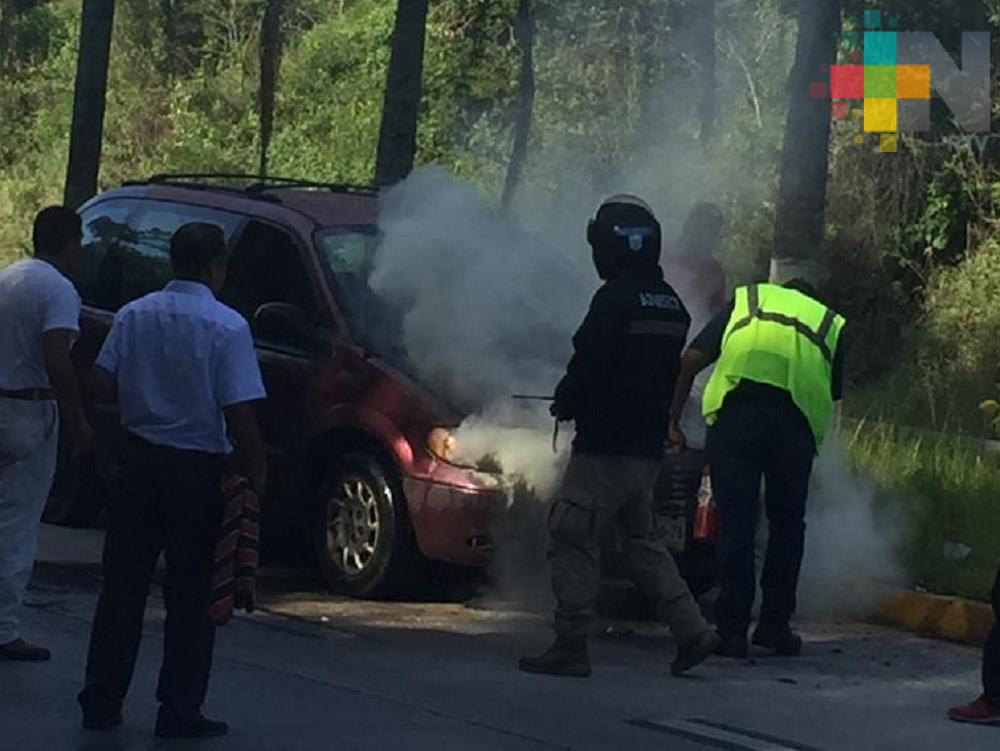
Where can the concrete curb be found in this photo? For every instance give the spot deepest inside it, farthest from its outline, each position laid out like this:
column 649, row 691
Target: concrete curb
column 950, row 618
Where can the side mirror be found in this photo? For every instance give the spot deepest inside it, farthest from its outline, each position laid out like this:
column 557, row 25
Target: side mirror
column 288, row 325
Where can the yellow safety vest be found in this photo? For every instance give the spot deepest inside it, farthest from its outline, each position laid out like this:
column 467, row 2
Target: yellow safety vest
column 782, row 338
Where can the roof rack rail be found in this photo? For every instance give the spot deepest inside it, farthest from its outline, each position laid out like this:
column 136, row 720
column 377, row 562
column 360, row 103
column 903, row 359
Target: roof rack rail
column 252, row 183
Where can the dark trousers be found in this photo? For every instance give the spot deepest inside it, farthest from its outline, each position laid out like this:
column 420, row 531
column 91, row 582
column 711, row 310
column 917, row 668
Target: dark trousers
column 991, row 655
column 163, row 500
column 751, row 440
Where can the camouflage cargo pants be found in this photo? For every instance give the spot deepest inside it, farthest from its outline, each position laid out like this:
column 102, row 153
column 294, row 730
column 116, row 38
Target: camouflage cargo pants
column 594, row 490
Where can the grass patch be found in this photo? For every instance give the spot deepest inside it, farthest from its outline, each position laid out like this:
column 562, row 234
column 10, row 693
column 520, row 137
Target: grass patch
column 946, row 488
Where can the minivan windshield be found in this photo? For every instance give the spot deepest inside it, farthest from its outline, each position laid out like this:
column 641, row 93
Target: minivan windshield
column 348, row 255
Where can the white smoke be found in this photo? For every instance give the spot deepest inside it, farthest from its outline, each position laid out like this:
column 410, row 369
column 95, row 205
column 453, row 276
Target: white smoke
column 521, row 438
column 851, row 562
column 489, row 302
column 489, row 309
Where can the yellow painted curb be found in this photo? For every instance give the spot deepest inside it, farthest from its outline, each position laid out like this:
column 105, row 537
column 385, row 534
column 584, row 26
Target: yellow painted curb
column 952, row 618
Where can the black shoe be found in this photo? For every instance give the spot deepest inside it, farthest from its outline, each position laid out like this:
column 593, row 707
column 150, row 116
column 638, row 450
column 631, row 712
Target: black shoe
column 169, row 725
column 101, row 720
column 733, row 646
column 567, row 657
column 695, row 651
column 779, row 638
column 20, row 651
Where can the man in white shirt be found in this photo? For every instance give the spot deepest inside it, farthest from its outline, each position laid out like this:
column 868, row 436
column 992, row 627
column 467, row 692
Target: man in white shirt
column 185, row 374
column 39, row 320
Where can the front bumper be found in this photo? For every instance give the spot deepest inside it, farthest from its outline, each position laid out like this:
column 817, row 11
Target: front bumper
column 453, row 523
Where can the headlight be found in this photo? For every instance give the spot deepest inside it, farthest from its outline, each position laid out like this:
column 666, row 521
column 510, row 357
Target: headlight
column 441, row 443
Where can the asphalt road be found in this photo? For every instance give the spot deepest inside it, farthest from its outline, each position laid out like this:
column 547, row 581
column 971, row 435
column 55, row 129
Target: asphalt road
column 319, row 672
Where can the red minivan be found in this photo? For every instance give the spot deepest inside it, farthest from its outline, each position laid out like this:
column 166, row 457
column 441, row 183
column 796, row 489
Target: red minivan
column 359, row 450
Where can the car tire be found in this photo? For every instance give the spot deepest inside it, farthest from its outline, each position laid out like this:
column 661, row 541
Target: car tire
column 361, row 533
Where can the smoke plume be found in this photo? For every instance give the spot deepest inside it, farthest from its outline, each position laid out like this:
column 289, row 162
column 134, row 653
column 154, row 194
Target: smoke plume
column 850, row 562
column 489, row 305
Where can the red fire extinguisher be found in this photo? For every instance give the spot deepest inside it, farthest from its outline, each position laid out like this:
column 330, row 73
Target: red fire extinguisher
column 706, row 514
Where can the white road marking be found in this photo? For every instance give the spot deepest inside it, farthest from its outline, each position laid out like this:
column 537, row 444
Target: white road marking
column 718, row 735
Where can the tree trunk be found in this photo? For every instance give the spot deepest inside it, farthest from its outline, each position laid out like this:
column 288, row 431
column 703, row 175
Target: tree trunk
column 801, row 209
column 270, row 64
column 655, row 24
column 397, row 143
column 87, row 129
column 526, row 100
column 705, row 47
column 169, row 36
column 975, row 16
column 6, row 26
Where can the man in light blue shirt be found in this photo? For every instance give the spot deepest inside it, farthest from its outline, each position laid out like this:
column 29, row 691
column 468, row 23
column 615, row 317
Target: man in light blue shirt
column 185, row 374
column 180, row 357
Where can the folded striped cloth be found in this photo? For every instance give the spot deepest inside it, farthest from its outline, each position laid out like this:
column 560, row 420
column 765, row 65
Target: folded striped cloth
column 234, row 583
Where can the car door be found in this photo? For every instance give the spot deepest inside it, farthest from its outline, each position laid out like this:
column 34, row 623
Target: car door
column 268, row 281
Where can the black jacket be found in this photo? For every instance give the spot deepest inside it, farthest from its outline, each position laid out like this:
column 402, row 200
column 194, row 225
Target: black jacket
column 620, row 381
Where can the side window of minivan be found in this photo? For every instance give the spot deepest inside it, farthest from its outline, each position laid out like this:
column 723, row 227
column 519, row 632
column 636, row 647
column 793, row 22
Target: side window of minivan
column 131, row 246
column 267, row 267
column 104, row 226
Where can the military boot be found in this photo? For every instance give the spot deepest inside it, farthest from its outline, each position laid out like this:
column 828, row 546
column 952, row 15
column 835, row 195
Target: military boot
column 695, row 652
column 567, row 656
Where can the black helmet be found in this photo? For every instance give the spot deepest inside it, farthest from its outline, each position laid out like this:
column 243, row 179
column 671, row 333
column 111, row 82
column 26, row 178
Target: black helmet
column 623, row 234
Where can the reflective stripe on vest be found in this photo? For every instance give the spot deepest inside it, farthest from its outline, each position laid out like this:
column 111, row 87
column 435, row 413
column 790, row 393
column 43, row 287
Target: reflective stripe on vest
column 817, row 337
column 756, row 346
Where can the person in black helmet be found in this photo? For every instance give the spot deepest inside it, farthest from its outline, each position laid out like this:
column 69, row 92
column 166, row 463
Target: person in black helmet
column 617, row 388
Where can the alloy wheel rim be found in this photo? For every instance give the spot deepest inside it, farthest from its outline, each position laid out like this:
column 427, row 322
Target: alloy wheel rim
column 353, row 525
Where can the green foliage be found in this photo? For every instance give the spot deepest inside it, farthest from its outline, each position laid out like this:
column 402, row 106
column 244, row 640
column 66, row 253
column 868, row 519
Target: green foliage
column 36, row 33
column 183, row 90
column 36, row 102
column 942, row 489
column 330, row 96
column 964, row 317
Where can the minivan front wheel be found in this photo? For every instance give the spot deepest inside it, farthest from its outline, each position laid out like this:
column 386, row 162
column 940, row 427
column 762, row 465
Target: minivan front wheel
column 361, row 532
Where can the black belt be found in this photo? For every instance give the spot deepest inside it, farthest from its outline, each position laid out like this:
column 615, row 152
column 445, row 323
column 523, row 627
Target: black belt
column 138, row 440
column 29, row 395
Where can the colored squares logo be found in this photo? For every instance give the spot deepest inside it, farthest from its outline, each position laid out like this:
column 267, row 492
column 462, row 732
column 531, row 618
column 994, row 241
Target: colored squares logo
column 847, row 81
column 874, row 89
column 913, row 82
column 873, row 20
column 881, row 115
column 880, row 47
column 880, row 82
